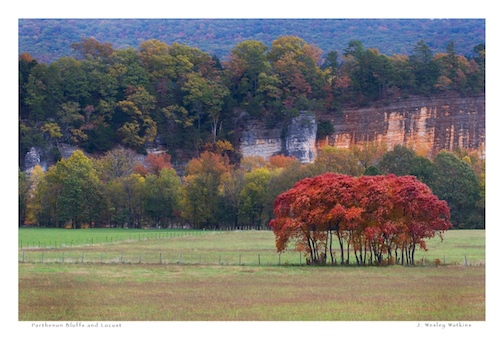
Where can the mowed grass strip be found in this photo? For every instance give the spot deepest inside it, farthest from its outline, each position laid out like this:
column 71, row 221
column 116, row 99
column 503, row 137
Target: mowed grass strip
column 30, row 238
column 115, row 292
column 237, row 248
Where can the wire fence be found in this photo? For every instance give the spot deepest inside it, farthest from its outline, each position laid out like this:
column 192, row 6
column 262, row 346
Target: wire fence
column 206, row 259
column 109, row 240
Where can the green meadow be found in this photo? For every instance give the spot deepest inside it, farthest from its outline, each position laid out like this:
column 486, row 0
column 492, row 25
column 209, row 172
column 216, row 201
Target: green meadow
column 222, row 276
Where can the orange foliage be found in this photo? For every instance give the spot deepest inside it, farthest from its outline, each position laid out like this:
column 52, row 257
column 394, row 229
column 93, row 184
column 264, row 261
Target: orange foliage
column 156, row 162
column 281, row 161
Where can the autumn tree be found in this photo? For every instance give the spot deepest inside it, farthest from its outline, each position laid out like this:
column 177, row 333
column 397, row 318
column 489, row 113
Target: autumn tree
column 338, row 160
column 375, row 216
column 116, row 163
column 423, row 214
column 155, row 162
column 201, row 188
column 312, row 212
column 297, row 65
column 90, row 47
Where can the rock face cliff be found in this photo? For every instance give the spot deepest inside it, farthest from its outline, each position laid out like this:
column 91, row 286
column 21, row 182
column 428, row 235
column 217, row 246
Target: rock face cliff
column 429, row 124
column 298, row 138
column 426, row 124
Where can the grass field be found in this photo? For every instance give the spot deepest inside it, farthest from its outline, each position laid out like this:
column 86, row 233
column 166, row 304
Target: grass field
column 136, row 284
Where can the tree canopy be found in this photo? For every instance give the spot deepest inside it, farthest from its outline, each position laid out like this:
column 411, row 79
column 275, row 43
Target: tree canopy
column 382, row 219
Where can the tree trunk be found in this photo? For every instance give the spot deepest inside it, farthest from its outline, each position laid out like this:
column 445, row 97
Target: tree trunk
column 330, row 248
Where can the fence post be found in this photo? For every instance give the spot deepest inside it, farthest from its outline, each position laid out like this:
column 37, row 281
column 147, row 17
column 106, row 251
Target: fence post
column 23, row 256
column 465, row 260
column 63, row 258
column 279, row 255
column 300, row 263
column 160, row 259
column 259, row 259
column 82, row 258
column 42, row 257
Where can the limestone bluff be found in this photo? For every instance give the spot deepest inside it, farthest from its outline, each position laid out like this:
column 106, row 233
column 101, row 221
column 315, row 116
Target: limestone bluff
column 423, row 123
column 427, row 124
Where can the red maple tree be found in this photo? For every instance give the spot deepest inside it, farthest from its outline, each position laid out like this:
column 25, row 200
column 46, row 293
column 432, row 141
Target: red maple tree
column 384, row 219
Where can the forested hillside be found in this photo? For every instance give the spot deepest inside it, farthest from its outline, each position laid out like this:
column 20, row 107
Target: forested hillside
column 114, row 103
column 50, row 39
column 181, row 98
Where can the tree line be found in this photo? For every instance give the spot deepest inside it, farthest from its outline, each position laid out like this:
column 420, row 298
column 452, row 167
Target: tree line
column 181, row 97
column 119, row 189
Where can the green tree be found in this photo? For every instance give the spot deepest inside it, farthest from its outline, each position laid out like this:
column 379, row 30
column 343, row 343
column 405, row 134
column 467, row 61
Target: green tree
column 371, row 72
column 205, row 98
column 232, row 183
column 247, row 61
column 161, row 199
column 80, row 197
column 403, row 161
column 398, row 161
column 43, row 206
column 133, row 187
column 456, row 182
column 424, row 68
column 253, row 197
column 74, row 83
column 23, row 195
column 26, row 64
column 141, row 129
